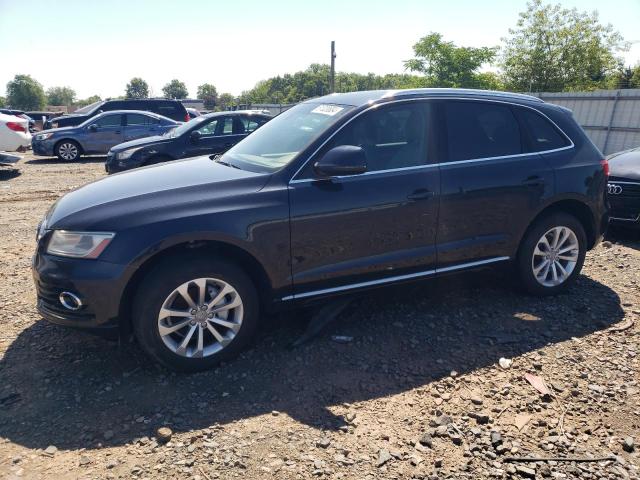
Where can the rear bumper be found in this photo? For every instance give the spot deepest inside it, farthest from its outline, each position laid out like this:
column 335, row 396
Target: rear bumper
column 13, row 141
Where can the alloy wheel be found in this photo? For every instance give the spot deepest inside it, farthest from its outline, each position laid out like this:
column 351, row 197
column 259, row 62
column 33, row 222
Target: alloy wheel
column 555, row 256
column 68, row 151
column 200, row 317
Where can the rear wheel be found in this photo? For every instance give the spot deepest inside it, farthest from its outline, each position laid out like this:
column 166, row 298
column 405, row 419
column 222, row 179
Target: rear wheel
column 191, row 312
column 552, row 254
column 67, row 151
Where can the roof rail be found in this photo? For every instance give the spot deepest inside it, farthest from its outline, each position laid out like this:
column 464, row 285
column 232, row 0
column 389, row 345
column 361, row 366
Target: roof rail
column 462, row 92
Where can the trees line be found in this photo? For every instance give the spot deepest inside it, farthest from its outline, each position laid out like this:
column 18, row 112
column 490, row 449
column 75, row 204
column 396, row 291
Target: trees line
column 551, row 48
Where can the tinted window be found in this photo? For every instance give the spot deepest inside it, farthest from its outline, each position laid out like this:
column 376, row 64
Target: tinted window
column 251, row 123
column 392, row 137
column 168, row 110
column 108, row 106
column 480, row 130
column 109, row 121
column 543, row 135
column 227, row 126
column 137, row 119
column 209, row 128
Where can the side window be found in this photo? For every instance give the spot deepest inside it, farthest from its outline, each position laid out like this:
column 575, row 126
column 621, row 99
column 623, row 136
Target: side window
column 251, row 123
column 209, row 128
column 392, row 137
column 480, row 130
column 136, row 119
column 543, row 135
column 110, row 106
column 227, row 126
column 168, row 110
column 110, row 121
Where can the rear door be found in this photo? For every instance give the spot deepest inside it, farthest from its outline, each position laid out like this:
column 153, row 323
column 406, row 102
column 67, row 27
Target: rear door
column 492, row 183
column 138, row 125
column 108, row 132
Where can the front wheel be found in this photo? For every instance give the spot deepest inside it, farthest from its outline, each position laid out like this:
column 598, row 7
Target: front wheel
column 191, row 312
column 552, row 254
column 68, row 151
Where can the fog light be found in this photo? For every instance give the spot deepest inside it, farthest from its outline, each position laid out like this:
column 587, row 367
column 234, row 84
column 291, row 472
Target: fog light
column 70, row 301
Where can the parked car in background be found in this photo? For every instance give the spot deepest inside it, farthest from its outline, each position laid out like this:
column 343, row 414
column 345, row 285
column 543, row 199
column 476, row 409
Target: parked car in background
column 204, row 135
column 336, row 195
column 14, row 133
column 193, row 113
column 21, row 114
column 624, row 188
column 41, row 117
column 99, row 134
column 167, row 108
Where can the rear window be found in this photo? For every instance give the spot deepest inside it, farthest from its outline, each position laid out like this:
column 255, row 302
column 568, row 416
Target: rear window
column 480, row 130
column 543, row 135
column 168, row 110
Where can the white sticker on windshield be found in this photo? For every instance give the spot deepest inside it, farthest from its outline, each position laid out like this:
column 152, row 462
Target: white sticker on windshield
column 327, row 109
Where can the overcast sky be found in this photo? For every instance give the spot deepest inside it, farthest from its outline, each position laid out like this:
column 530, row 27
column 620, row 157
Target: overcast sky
column 95, row 47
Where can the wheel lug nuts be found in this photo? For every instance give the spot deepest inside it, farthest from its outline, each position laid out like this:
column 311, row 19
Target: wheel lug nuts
column 210, row 315
column 193, row 311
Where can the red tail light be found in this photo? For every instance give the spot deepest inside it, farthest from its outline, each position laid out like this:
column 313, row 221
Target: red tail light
column 605, row 167
column 186, row 117
column 16, row 127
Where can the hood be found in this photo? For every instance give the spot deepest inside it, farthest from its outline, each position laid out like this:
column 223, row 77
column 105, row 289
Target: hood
column 151, row 194
column 58, row 130
column 141, row 142
column 625, row 165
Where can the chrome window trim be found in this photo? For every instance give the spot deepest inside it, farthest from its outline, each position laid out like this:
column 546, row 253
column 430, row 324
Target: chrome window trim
column 396, row 278
column 571, row 145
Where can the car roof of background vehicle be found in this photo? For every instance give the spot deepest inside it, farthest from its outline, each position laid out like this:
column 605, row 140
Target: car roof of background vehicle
column 235, row 113
column 358, row 99
column 141, row 112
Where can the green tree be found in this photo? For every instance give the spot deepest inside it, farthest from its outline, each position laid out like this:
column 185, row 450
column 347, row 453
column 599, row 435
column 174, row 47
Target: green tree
column 175, row 89
column 3, row 102
column 554, row 49
column 625, row 77
column 209, row 94
column 225, row 100
column 137, row 88
column 25, row 93
column 446, row 65
column 60, row 96
column 88, row 101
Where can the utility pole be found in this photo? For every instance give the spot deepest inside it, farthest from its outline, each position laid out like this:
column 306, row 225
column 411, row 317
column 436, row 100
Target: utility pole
column 332, row 75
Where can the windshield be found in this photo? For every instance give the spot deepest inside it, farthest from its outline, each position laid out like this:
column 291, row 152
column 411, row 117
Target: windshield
column 279, row 141
column 88, row 108
column 180, row 129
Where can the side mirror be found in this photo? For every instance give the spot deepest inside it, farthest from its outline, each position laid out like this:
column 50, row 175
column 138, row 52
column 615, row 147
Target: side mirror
column 342, row 160
column 93, row 127
column 195, row 136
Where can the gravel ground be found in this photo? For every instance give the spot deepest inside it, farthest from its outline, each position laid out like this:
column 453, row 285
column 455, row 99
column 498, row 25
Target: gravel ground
column 417, row 389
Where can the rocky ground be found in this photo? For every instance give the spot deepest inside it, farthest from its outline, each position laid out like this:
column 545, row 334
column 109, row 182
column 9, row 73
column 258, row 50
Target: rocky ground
column 427, row 381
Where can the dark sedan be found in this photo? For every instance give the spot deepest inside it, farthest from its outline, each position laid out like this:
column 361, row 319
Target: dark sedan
column 624, row 188
column 204, row 135
column 99, row 134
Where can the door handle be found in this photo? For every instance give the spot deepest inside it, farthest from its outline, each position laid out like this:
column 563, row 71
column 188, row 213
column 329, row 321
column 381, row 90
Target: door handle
column 533, row 181
column 421, row 194
column 118, row 131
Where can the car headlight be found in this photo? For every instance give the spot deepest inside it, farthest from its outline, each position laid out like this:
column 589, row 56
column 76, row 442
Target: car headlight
column 43, row 136
column 127, row 153
column 78, row 244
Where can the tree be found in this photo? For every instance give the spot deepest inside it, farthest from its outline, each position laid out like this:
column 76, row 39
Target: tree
column 625, row 77
column 3, row 101
column 225, row 100
column 446, row 65
column 554, row 49
column 60, row 96
column 137, row 88
column 209, row 94
column 25, row 93
column 175, row 89
column 88, row 101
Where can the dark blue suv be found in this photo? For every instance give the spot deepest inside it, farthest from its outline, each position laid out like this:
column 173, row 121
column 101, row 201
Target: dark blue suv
column 336, row 195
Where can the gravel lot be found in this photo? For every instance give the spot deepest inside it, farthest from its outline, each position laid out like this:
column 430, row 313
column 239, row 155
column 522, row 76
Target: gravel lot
column 418, row 392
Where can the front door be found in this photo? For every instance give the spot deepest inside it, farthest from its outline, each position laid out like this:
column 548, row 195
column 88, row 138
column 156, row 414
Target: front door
column 375, row 227
column 104, row 133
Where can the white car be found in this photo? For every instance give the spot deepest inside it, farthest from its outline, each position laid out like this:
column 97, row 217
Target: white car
column 14, row 133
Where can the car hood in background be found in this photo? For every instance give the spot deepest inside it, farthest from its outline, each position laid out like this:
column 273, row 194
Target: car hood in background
column 141, row 142
column 625, row 164
column 132, row 198
column 59, row 130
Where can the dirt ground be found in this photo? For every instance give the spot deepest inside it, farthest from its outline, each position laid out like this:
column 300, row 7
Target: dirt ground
column 416, row 391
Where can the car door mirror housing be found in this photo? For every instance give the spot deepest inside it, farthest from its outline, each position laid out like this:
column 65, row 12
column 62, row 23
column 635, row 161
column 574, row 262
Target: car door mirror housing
column 342, row 160
column 93, row 127
column 195, row 136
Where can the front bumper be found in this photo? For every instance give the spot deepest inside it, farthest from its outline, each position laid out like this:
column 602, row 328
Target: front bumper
column 113, row 165
column 98, row 284
column 42, row 147
column 624, row 202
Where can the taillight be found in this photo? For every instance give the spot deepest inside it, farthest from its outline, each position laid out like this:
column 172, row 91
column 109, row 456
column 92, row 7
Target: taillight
column 16, row 127
column 605, row 167
column 186, row 117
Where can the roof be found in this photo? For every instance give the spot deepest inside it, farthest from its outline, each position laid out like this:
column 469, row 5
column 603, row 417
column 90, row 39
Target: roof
column 357, row 99
column 235, row 112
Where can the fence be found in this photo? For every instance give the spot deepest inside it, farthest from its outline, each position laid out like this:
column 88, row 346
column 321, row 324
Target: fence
column 611, row 118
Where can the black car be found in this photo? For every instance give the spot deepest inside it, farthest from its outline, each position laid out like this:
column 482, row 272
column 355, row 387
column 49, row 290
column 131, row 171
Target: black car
column 336, row 195
column 624, row 188
column 203, row 135
column 172, row 109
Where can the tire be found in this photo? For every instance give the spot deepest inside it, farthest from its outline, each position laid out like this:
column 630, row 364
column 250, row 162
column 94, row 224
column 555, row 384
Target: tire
column 68, row 151
column 548, row 282
column 160, row 286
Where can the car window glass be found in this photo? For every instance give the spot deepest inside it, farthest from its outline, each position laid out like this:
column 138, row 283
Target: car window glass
column 166, row 109
column 392, row 137
column 108, row 106
column 542, row 133
column 136, row 119
column 209, row 128
column 227, row 126
column 250, row 124
column 109, row 121
column 480, row 130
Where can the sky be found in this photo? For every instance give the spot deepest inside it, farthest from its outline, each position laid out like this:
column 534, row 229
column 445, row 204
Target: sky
column 96, row 47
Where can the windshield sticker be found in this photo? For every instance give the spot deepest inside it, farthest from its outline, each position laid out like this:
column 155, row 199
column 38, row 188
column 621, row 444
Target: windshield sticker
column 327, row 109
